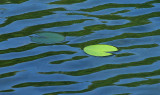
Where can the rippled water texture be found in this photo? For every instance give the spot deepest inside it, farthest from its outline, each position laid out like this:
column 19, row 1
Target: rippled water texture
column 28, row 68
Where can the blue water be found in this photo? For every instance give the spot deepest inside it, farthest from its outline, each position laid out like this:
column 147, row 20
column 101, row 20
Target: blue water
column 29, row 68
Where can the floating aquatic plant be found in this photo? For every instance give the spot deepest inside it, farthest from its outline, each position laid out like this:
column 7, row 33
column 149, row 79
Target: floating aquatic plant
column 47, row 38
column 100, row 50
column 51, row 38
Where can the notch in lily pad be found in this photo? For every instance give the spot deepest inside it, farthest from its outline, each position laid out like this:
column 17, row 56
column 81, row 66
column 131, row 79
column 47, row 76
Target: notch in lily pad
column 100, row 50
column 47, row 38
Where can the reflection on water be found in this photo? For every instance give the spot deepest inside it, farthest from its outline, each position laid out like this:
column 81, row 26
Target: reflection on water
column 63, row 68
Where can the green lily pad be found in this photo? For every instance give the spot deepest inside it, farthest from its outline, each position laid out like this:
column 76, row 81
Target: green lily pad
column 47, row 38
column 100, row 50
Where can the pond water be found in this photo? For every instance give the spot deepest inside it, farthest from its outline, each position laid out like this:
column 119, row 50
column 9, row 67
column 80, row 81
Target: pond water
column 29, row 68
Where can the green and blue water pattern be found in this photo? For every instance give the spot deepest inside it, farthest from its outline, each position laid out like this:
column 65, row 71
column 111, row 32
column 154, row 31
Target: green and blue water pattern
column 29, row 68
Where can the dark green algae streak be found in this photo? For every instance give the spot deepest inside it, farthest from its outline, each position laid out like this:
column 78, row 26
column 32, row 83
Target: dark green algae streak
column 31, row 58
column 67, row 2
column 46, row 83
column 134, row 21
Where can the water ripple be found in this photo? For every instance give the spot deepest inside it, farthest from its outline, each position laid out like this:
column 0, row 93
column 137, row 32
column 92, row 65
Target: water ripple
column 63, row 68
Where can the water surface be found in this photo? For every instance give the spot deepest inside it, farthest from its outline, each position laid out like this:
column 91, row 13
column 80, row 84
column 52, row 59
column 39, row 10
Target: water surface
column 28, row 68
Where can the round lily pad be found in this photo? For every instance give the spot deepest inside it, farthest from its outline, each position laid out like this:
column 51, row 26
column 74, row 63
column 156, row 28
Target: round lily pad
column 47, row 38
column 99, row 50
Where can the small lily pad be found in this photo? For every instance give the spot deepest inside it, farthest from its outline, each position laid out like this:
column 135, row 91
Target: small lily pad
column 100, row 50
column 47, row 38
